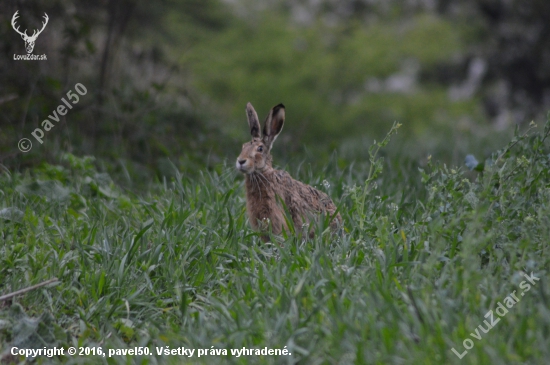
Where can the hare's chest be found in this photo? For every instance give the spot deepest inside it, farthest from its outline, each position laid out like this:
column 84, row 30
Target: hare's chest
column 265, row 212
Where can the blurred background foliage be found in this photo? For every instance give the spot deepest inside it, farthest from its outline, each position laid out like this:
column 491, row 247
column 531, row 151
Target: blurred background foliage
column 168, row 80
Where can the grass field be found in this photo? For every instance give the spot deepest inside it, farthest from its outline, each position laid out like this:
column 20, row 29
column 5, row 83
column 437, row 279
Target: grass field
column 428, row 256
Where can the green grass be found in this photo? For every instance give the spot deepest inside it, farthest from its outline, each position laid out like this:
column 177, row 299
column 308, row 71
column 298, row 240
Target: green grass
column 425, row 256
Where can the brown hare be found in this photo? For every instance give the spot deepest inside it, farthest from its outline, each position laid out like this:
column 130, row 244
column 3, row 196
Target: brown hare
column 267, row 187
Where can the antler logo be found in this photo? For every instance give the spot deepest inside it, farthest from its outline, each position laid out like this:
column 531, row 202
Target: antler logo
column 29, row 40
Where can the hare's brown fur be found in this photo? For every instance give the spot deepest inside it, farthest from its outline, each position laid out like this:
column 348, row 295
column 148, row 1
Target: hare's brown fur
column 266, row 187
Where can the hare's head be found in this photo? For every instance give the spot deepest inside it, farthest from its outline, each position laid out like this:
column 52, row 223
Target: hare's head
column 255, row 155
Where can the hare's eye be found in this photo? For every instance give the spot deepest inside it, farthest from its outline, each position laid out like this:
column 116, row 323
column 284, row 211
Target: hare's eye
column 260, row 148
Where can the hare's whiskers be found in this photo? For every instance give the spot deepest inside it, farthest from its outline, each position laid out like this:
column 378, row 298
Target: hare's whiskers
column 260, row 177
column 255, row 179
column 227, row 173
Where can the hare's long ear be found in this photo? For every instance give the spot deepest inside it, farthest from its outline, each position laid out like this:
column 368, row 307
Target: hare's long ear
column 253, row 121
column 274, row 124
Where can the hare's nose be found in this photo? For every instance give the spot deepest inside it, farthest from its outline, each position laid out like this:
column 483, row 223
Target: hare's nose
column 241, row 162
